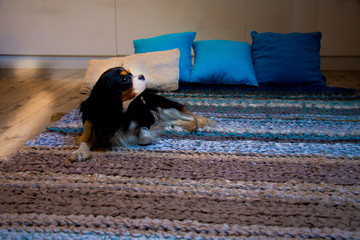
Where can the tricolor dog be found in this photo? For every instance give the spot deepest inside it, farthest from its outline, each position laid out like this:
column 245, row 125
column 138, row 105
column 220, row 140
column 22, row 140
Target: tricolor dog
column 119, row 112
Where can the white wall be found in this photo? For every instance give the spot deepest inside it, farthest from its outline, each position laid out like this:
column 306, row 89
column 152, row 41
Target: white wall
column 66, row 33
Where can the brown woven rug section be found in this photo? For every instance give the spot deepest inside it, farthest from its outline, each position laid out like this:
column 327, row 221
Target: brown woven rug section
column 269, row 187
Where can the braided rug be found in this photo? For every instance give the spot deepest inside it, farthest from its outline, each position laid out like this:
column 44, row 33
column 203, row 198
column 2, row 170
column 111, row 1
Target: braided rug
column 280, row 164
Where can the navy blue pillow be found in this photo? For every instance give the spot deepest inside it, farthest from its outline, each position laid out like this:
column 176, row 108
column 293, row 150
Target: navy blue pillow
column 291, row 59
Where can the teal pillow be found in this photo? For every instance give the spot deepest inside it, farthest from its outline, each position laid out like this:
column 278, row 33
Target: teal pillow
column 291, row 59
column 182, row 41
column 223, row 62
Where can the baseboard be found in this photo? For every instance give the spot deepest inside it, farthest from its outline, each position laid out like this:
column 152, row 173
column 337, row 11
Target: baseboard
column 340, row 63
column 75, row 62
column 46, row 62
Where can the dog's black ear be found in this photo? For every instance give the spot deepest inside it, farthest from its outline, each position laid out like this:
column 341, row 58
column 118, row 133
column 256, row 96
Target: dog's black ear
column 104, row 85
column 104, row 106
column 105, row 79
column 108, row 82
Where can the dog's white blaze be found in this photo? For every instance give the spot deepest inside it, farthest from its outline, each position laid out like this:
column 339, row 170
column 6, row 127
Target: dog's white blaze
column 138, row 86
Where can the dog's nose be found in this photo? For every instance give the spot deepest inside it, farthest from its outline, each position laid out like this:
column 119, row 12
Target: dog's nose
column 141, row 77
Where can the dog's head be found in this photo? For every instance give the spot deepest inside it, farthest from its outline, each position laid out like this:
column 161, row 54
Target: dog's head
column 122, row 84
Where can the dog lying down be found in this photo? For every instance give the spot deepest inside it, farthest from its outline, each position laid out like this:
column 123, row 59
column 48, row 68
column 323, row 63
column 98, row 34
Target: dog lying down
column 119, row 112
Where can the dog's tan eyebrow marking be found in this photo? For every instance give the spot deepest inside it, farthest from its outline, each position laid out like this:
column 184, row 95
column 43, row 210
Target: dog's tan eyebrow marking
column 123, row 72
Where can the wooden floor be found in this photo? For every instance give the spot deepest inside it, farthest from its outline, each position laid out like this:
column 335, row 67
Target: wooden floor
column 29, row 97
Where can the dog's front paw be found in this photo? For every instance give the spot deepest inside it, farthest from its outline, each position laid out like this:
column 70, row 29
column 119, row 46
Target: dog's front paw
column 145, row 137
column 82, row 153
column 148, row 136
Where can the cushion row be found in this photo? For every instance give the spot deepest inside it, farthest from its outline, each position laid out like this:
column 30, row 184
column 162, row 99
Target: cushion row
column 291, row 59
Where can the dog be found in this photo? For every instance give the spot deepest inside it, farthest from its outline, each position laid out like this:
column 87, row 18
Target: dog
column 120, row 112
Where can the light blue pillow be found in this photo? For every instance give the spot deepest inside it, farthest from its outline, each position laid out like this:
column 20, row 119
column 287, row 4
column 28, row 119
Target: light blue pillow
column 223, row 62
column 291, row 59
column 182, row 41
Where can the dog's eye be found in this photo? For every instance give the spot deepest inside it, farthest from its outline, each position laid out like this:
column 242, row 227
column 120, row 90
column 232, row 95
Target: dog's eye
column 125, row 79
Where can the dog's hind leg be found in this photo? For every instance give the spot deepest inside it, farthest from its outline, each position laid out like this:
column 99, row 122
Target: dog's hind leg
column 195, row 123
column 187, row 120
column 87, row 141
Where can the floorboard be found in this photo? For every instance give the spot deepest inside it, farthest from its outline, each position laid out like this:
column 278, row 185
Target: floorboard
column 346, row 79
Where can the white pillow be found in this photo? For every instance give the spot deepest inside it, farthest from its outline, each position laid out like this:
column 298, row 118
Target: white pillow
column 161, row 69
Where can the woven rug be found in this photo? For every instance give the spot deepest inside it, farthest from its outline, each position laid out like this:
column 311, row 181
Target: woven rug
column 280, row 164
